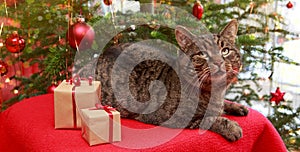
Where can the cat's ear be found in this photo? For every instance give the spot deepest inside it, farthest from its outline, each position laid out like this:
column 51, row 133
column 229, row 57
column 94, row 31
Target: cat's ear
column 230, row 31
column 184, row 38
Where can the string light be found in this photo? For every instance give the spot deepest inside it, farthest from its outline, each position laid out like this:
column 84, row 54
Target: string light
column 273, row 103
column 252, row 4
column 16, row 91
column 247, row 92
column 7, row 80
column 261, row 97
column 1, row 28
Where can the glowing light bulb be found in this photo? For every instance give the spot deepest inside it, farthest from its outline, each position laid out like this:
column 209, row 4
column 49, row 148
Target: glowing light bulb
column 273, row 103
column 16, row 91
column 261, row 97
column 7, row 80
column 247, row 92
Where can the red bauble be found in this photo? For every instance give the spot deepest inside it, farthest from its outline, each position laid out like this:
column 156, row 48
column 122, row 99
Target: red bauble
column 3, row 68
column 80, row 35
column 277, row 96
column 107, row 2
column 51, row 88
column 198, row 10
column 15, row 43
column 12, row 3
column 289, row 4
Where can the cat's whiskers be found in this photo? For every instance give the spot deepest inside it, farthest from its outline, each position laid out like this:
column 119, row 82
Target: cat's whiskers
column 188, row 88
column 203, row 76
column 228, row 67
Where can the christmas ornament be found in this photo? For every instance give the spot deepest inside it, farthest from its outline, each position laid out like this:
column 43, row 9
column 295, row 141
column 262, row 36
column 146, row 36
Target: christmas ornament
column 289, row 4
column 3, row 68
column 107, row 2
column 51, row 88
column 198, row 10
column 11, row 3
column 15, row 43
column 277, row 96
column 80, row 35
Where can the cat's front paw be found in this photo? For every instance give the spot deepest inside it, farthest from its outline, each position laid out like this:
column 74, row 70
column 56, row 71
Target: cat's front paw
column 234, row 131
column 242, row 110
column 236, row 109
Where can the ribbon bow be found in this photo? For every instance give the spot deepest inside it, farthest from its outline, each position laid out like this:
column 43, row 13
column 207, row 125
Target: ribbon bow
column 106, row 108
column 77, row 80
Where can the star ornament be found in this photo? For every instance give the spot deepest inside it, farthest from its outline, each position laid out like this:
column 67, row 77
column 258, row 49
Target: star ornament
column 277, row 96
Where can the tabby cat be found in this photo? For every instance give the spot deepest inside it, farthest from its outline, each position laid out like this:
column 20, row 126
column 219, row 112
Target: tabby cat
column 171, row 93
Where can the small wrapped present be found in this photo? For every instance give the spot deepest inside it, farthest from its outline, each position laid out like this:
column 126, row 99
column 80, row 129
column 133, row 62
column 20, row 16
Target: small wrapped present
column 101, row 125
column 72, row 95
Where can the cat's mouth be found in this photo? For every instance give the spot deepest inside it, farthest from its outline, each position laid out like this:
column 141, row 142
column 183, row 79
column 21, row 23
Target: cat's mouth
column 220, row 76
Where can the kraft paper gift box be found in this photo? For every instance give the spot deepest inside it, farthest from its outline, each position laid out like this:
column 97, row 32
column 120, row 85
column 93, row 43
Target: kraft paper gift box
column 68, row 98
column 100, row 126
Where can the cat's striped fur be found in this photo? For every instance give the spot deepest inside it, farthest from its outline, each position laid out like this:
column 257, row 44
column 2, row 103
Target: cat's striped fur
column 216, row 63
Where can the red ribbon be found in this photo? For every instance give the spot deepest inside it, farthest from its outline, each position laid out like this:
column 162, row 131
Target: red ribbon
column 77, row 80
column 74, row 107
column 107, row 109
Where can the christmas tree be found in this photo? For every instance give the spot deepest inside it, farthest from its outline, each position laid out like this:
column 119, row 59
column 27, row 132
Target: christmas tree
column 44, row 27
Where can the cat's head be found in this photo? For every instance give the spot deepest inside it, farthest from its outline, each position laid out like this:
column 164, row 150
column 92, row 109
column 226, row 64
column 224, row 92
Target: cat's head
column 214, row 58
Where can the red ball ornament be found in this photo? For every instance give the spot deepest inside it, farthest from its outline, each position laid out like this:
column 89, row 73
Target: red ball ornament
column 15, row 43
column 277, row 96
column 107, row 2
column 80, row 35
column 289, row 4
column 51, row 88
column 12, row 3
column 3, row 68
column 198, row 10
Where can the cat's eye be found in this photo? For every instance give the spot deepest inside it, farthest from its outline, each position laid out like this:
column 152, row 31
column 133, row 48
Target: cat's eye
column 225, row 51
column 203, row 55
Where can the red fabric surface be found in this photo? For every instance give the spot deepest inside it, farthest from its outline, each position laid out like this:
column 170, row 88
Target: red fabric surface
column 29, row 126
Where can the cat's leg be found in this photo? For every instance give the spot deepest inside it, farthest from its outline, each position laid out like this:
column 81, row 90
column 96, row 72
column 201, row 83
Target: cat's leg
column 230, row 130
column 235, row 109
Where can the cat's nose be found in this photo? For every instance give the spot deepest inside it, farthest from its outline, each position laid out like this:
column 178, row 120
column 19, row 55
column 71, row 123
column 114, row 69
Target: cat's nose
column 218, row 63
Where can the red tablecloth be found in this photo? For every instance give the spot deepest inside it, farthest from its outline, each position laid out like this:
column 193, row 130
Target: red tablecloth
column 29, row 126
